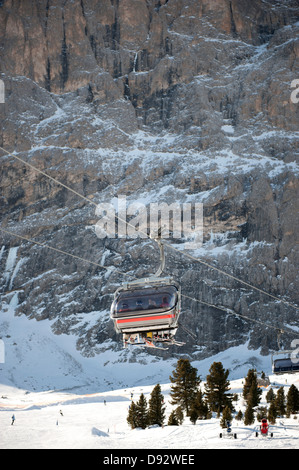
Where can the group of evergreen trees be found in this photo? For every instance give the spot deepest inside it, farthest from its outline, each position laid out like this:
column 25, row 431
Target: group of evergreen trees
column 196, row 404
column 143, row 414
column 279, row 404
column 282, row 405
column 186, row 394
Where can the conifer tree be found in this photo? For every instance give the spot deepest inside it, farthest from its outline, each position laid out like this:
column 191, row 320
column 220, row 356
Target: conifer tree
column 292, row 400
column 272, row 412
column 226, row 416
column 251, row 387
column 193, row 416
column 270, row 395
column 280, row 402
column 261, row 412
column 216, row 388
column 141, row 412
column 185, row 384
column 249, row 414
column 235, row 397
column 156, row 411
column 253, row 398
column 132, row 416
column 248, row 381
column 199, row 408
column 173, row 420
column 179, row 415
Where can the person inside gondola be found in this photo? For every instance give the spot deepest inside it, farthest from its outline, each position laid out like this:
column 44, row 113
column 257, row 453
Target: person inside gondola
column 152, row 303
column 165, row 303
column 124, row 307
column 139, row 305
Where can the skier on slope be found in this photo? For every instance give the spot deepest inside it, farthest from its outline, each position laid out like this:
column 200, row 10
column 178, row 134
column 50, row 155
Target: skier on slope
column 13, row 419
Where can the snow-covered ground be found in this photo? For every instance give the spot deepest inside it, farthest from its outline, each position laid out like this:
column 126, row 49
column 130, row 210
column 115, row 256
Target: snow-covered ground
column 42, row 373
column 35, row 359
column 87, row 422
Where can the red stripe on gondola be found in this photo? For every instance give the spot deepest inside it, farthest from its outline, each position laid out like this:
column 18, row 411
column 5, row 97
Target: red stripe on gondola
column 159, row 317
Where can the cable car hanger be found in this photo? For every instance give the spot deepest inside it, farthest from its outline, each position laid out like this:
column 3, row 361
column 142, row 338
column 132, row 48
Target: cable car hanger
column 146, row 311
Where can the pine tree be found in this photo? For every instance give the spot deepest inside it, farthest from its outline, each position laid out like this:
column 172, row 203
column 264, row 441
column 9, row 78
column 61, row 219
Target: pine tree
column 235, row 397
column 173, row 420
column 251, row 386
column 292, row 400
column 249, row 415
column 156, row 411
column 216, row 388
column 179, row 415
column 270, row 396
column 199, row 408
column 226, row 416
column 261, row 412
column 280, row 402
column 253, row 398
column 248, row 381
column 141, row 412
column 185, row 385
column 132, row 416
column 272, row 412
column 193, row 416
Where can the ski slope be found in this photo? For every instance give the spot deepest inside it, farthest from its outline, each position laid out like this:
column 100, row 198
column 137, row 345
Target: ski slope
column 44, row 373
column 87, row 422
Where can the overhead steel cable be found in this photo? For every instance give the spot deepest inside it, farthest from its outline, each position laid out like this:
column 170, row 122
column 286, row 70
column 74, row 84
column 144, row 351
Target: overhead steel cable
column 243, row 317
column 90, row 201
column 193, row 258
column 218, row 307
column 48, row 176
column 22, row 237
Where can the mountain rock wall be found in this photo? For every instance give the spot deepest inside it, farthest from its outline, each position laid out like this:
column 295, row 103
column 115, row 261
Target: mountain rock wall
column 161, row 101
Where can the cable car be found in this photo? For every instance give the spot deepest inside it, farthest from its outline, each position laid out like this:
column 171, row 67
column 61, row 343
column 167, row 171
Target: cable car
column 146, row 311
column 287, row 364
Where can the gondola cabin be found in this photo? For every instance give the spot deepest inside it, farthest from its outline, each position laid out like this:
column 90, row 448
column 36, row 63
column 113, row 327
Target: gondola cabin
column 147, row 311
column 288, row 363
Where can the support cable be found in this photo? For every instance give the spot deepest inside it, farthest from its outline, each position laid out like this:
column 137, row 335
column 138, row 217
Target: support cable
column 193, row 258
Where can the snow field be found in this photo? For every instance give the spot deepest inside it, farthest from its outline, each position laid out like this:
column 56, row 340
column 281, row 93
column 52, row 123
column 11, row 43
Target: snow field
column 89, row 423
column 44, row 373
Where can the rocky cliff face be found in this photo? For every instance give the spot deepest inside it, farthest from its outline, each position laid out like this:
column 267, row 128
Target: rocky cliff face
column 161, row 101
